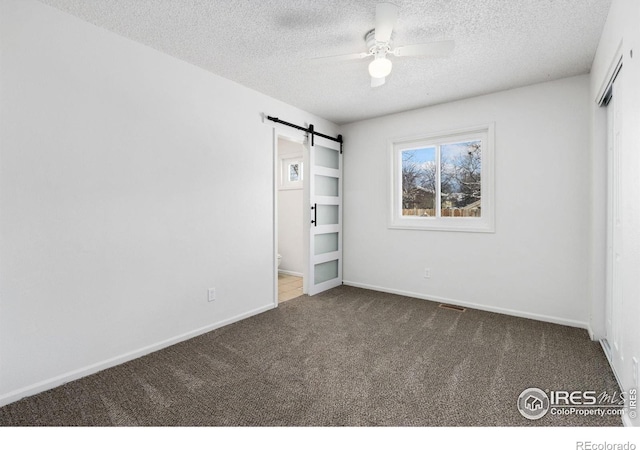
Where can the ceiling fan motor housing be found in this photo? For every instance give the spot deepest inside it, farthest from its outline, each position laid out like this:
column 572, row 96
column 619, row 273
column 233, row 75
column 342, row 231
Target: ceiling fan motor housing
column 376, row 47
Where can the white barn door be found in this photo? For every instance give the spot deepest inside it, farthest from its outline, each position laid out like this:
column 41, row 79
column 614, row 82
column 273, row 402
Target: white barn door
column 324, row 197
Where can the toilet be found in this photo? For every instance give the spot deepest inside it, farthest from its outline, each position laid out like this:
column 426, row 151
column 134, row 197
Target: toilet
column 279, row 259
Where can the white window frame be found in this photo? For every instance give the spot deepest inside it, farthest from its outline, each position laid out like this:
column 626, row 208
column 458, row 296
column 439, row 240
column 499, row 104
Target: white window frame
column 483, row 224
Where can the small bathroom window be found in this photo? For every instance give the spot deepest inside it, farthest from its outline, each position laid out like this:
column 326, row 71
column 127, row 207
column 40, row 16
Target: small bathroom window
column 295, row 172
column 291, row 172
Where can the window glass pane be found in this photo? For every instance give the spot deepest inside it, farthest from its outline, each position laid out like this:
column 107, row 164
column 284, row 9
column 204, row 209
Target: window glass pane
column 325, row 271
column 419, row 182
column 461, row 169
column 326, row 186
column 295, row 172
column 327, row 214
column 326, row 243
column 326, row 157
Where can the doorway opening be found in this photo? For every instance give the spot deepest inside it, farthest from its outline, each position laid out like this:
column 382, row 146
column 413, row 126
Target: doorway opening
column 290, row 218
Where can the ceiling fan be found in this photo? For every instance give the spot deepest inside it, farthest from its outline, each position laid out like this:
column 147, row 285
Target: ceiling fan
column 380, row 45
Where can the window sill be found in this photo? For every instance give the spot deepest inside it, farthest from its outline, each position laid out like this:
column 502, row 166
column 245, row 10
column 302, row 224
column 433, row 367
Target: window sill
column 466, row 225
column 290, row 188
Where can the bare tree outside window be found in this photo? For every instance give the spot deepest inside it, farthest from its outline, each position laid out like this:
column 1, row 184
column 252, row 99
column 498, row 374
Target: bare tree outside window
column 461, row 179
column 458, row 182
column 294, row 172
column 419, row 182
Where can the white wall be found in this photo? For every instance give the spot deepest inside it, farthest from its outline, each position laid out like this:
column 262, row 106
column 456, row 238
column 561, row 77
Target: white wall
column 290, row 217
column 535, row 264
column 130, row 182
column 621, row 36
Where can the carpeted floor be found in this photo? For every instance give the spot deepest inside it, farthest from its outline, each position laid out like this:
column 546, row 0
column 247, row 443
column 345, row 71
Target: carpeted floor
column 348, row 357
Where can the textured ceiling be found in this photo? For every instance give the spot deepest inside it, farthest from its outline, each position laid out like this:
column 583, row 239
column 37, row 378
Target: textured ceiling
column 268, row 45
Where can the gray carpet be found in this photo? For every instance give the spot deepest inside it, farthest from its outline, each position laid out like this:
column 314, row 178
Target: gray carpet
column 348, row 357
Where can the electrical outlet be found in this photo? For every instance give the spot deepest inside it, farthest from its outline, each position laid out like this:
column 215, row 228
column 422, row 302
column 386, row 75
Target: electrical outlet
column 211, row 294
column 427, row 273
column 634, row 362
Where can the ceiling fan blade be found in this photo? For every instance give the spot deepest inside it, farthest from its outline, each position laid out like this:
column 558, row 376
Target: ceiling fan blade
column 375, row 82
column 342, row 57
column 437, row 49
column 386, row 17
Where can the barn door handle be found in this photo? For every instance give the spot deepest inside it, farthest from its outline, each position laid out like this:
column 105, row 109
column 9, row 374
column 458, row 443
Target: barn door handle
column 315, row 214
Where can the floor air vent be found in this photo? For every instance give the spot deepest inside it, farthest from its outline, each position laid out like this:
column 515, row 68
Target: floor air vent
column 452, row 307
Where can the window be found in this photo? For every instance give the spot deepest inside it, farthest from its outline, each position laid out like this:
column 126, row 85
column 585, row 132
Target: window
column 444, row 181
column 295, row 172
column 291, row 172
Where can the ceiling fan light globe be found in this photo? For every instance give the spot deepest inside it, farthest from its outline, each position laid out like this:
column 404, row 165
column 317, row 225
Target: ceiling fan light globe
column 380, row 67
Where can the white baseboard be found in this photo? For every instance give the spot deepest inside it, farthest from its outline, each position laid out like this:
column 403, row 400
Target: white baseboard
column 290, row 272
column 495, row 309
column 51, row 383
